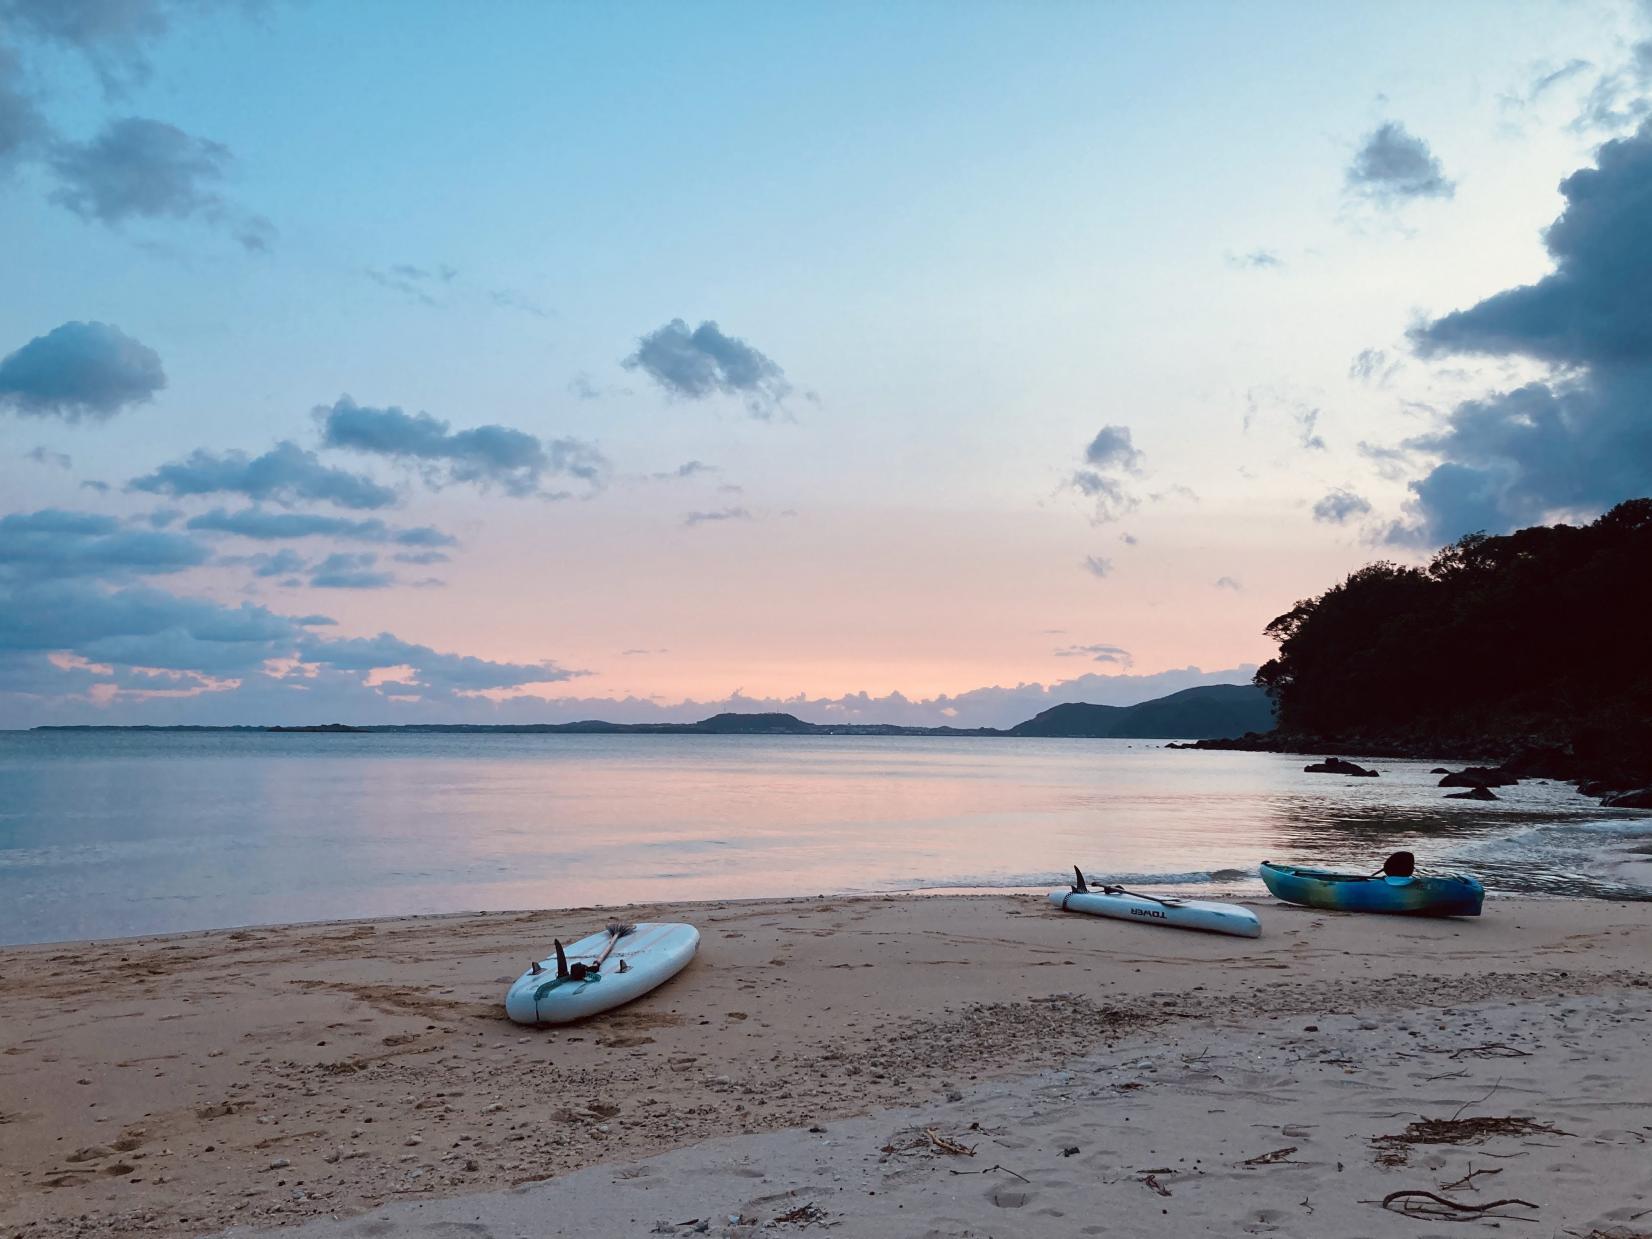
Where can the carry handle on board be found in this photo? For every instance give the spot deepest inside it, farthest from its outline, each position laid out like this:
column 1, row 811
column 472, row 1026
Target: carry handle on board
column 1082, row 889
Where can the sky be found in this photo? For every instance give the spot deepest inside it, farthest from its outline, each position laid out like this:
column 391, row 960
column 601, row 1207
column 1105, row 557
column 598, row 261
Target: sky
column 398, row 361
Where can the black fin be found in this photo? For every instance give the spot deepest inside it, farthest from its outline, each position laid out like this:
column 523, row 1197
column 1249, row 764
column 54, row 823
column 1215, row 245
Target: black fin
column 1079, row 874
column 561, row 959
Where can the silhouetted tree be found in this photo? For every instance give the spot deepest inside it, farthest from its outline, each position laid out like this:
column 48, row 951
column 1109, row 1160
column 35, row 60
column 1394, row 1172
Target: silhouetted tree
column 1545, row 631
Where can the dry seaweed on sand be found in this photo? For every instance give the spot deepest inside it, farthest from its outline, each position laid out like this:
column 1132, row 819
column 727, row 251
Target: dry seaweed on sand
column 1429, row 1204
column 1395, row 1150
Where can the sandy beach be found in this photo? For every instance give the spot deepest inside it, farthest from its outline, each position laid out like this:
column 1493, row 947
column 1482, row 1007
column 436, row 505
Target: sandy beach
column 945, row 1066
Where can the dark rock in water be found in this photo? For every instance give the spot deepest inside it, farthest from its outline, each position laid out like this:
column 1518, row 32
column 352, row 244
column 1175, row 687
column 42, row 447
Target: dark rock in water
column 1335, row 765
column 1641, row 799
column 1439, row 770
column 1479, row 776
column 1473, row 793
column 1595, row 787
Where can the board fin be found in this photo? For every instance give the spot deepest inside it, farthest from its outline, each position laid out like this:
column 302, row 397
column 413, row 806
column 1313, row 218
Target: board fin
column 1079, row 886
column 561, row 959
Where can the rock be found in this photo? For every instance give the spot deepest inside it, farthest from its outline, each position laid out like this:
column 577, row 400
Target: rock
column 1439, row 770
column 1335, row 765
column 1479, row 776
column 1473, row 793
column 1595, row 787
column 1641, row 799
column 280, row 1163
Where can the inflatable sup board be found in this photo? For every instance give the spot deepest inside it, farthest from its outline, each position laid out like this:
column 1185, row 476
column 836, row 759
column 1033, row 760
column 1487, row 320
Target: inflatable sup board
column 599, row 972
column 1123, row 905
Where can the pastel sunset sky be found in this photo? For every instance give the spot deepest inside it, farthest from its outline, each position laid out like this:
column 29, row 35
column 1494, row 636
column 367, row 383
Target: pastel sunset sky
column 402, row 361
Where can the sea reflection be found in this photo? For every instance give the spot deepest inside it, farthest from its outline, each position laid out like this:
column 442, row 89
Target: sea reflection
column 105, row 834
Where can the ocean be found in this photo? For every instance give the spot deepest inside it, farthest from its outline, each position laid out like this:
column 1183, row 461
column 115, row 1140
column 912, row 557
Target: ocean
column 110, row 834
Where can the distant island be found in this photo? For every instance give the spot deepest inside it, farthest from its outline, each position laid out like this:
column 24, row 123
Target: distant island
column 1530, row 648
column 1191, row 714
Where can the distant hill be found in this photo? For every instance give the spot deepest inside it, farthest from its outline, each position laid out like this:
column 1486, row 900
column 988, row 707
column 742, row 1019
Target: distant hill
column 1192, row 714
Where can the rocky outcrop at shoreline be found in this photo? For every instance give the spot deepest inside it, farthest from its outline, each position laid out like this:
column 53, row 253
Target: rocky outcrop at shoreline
column 1614, row 770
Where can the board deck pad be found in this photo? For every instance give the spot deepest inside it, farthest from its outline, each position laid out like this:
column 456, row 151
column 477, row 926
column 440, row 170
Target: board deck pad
column 647, row 957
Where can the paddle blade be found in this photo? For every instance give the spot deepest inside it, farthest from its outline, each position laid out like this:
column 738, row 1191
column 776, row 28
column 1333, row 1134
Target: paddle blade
column 1400, row 865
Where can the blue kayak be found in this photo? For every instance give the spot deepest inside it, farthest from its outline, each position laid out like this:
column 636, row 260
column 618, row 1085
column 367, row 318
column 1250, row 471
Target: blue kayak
column 1419, row 895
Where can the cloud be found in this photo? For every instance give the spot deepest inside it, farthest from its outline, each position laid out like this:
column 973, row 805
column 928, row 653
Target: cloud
column 688, row 469
column 45, row 456
column 54, row 544
column 1373, row 366
column 1256, row 260
column 1227, row 582
column 285, row 562
column 59, row 639
column 350, row 571
column 506, row 299
column 1109, row 456
column 1392, row 166
column 413, row 281
column 1580, row 440
column 719, row 514
column 273, row 526
column 22, row 127
column 705, row 362
column 1095, row 565
column 514, row 460
column 1114, row 654
column 1340, row 506
column 80, row 370
column 285, row 474
column 110, row 33
column 422, row 558
column 137, row 168
column 455, row 672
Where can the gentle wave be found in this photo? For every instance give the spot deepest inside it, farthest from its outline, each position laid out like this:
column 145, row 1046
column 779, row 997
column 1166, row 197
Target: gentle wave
column 1191, row 877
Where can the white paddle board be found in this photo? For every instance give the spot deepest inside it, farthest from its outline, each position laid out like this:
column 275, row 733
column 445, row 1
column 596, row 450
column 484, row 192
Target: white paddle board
column 648, row 956
column 1220, row 918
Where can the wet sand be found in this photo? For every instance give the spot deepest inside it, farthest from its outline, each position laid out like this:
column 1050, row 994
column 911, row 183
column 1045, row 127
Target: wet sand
column 363, row 1071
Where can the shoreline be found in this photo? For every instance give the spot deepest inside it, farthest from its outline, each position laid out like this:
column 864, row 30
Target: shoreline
column 371, row 1060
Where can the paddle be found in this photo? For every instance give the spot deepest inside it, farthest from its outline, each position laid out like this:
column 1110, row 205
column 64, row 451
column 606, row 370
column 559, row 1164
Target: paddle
column 1083, row 889
column 579, row 971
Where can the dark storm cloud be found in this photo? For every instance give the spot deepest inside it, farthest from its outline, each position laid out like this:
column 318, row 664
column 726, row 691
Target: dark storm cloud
column 705, row 362
column 516, row 461
column 273, row 526
column 284, row 474
column 1393, row 165
column 1580, row 440
column 79, row 370
column 137, row 168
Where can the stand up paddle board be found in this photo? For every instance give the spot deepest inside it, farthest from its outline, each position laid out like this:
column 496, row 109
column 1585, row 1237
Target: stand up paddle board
column 605, row 970
column 1123, row 905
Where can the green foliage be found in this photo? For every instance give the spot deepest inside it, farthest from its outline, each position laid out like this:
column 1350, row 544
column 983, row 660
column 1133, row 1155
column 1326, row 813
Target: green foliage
column 1552, row 623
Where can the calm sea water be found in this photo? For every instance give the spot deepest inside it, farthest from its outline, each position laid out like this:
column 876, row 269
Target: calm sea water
column 115, row 833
